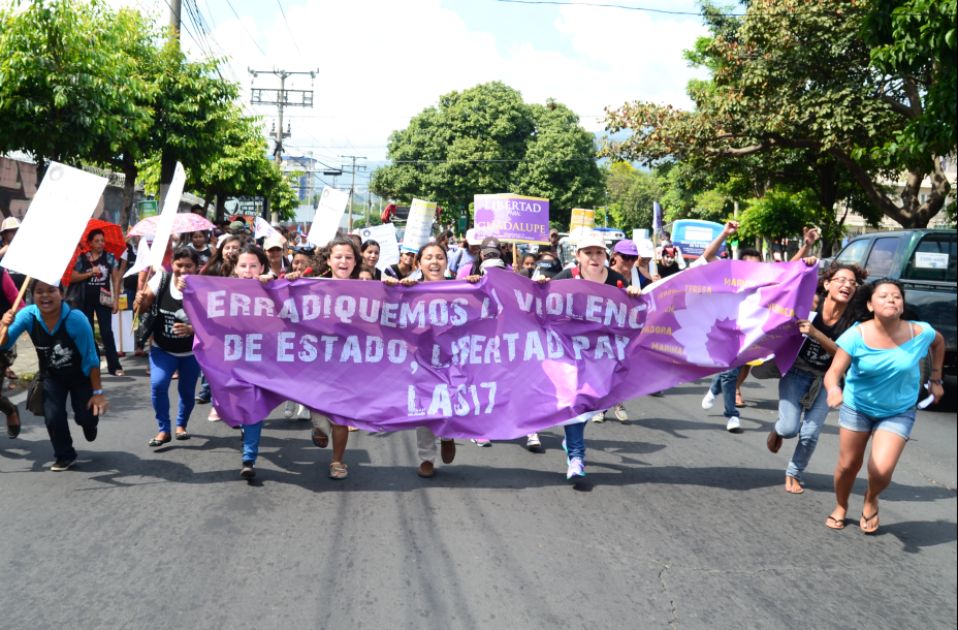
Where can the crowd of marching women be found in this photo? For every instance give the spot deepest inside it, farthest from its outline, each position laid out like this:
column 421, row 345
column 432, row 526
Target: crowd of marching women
column 859, row 354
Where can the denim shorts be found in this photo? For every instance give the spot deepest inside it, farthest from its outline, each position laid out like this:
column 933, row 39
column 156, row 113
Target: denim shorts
column 852, row 420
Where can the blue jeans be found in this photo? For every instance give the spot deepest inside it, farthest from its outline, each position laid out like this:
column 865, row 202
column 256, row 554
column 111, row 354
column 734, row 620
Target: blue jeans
column 55, row 393
column 575, row 439
column 900, row 424
column 251, row 433
column 791, row 389
column 162, row 366
column 205, row 393
column 724, row 384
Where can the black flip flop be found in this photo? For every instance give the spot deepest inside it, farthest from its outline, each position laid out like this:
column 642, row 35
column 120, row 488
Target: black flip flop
column 157, row 442
column 867, row 519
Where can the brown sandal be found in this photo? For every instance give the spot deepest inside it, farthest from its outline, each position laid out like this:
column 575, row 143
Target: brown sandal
column 319, row 437
column 834, row 523
column 13, row 428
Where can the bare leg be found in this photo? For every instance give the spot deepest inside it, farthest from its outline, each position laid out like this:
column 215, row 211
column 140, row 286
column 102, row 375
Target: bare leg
column 340, row 437
column 886, row 451
column 851, row 453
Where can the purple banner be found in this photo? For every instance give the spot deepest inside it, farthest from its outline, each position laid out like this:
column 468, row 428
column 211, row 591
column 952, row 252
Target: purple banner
column 499, row 359
column 512, row 218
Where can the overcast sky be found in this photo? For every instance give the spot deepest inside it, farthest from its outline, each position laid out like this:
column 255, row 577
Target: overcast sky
column 380, row 62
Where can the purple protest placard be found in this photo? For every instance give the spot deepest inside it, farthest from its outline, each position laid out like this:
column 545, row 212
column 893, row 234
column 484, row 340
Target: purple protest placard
column 513, row 218
column 499, row 359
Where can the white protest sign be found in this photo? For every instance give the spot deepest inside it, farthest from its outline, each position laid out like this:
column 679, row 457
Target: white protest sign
column 262, row 229
column 123, row 331
column 164, row 226
column 54, row 223
column 385, row 235
column 142, row 258
column 422, row 214
column 329, row 212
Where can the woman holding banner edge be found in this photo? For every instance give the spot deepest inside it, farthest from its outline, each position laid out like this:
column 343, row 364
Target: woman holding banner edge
column 433, row 263
column 590, row 258
column 344, row 264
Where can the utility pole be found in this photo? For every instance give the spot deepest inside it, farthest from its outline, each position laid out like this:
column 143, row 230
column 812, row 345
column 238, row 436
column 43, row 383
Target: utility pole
column 175, row 9
column 167, row 162
column 282, row 99
column 352, row 186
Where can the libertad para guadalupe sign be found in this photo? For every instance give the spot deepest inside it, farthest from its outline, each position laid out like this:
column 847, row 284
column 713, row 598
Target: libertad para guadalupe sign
column 512, row 218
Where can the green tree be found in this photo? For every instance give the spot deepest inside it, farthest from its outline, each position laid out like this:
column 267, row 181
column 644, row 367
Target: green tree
column 242, row 168
column 798, row 76
column 778, row 214
column 69, row 88
column 486, row 139
column 630, row 194
column 559, row 163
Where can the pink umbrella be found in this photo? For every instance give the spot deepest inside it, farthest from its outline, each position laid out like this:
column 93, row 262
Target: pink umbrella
column 184, row 222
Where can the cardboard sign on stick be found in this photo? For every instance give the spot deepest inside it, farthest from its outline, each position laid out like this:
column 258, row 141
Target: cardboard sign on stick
column 164, row 227
column 329, row 212
column 422, row 214
column 54, row 223
column 385, row 235
column 513, row 218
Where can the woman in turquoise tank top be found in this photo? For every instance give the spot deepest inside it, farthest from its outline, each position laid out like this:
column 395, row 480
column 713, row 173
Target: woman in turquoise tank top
column 880, row 362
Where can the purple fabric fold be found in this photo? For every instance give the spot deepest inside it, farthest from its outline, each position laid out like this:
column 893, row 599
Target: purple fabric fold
column 498, row 359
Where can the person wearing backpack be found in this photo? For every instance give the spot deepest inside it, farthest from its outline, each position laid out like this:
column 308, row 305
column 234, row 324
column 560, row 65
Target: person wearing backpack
column 69, row 366
column 172, row 349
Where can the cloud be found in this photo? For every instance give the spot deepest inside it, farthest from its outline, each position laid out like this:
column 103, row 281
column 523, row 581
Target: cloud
column 381, row 62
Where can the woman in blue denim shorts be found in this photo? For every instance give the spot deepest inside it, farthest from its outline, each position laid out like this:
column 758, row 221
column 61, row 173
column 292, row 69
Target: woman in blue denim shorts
column 880, row 360
column 800, row 391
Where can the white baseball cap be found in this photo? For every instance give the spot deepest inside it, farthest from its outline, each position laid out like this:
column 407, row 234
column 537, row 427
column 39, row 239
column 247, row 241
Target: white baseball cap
column 590, row 239
column 473, row 237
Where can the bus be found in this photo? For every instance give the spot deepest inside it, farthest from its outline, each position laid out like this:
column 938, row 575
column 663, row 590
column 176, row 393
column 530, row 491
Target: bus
column 692, row 236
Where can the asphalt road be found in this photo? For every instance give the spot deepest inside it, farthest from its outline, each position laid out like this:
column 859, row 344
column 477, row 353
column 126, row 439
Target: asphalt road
column 678, row 525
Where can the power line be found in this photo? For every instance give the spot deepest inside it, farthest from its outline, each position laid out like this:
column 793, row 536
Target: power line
column 291, row 36
column 255, row 43
column 609, row 5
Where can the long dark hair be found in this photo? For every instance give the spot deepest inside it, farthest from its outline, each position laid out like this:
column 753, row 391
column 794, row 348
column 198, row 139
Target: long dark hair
column 865, row 296
column 217, row 265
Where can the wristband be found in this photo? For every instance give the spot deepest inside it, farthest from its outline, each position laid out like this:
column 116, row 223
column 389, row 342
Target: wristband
column 97, row 392
column 936, row 382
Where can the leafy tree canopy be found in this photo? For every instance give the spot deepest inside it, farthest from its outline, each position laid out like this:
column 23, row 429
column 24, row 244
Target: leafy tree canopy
column 813, row 78
column 486, row 139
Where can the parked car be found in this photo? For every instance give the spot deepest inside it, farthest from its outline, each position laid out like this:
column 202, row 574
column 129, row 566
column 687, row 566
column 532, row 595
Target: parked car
column 925, row 261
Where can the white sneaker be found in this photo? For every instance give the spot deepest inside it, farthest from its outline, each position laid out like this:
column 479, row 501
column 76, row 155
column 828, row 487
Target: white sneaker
column 481, row 442
column 213, row 417
column 598, row 416
column 733, row 424
column 708, row 400
column 288, row 409
column 533, row 443
column 576, row 468
column 620, row 413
